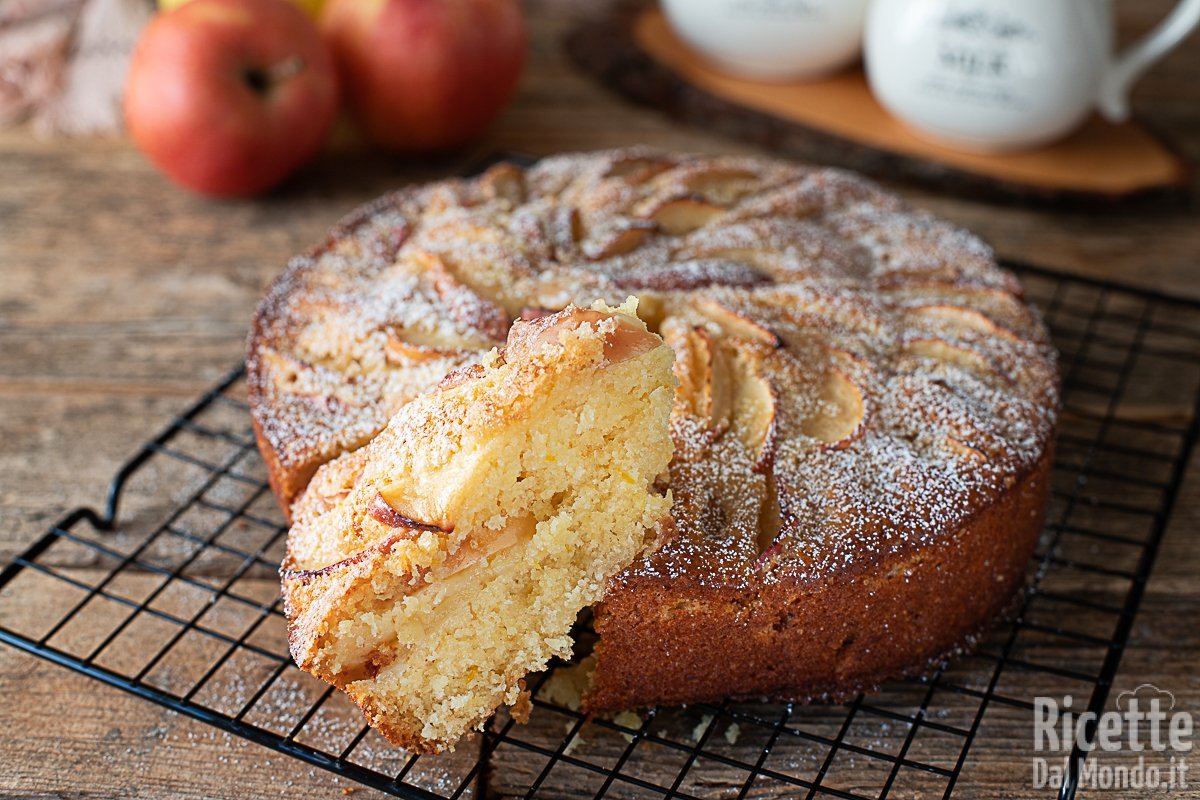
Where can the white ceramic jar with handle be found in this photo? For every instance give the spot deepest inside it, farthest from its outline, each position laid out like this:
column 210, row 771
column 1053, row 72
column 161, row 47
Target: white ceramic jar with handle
column 993, row 75
column 771, row 40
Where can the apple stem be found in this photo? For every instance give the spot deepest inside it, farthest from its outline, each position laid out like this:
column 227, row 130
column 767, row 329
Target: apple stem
column 261, row 80
column 280, row 71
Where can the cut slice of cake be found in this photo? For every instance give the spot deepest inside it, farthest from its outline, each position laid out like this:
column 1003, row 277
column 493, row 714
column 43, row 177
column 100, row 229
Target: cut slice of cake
column 431, row 570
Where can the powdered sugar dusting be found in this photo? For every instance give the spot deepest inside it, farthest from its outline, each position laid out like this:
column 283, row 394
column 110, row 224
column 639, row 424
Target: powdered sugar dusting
column 909, row 387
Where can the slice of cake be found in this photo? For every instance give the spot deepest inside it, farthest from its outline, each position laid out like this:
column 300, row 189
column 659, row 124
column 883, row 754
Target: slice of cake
column 429, row 571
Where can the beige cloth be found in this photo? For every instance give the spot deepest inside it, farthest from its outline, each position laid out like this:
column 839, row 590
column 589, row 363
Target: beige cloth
column 63, row 62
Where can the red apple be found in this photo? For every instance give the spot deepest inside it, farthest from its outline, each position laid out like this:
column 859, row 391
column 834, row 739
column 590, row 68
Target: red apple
column 228, row 97
column 426, row 75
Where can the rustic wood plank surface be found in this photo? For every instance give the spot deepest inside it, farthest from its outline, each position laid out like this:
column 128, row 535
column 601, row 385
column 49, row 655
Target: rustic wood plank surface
column 122, row 297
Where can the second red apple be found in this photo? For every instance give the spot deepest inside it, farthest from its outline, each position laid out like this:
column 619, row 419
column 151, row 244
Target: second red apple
column 426, row 75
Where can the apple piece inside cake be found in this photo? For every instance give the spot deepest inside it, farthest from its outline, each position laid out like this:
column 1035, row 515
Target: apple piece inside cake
column 429, row 571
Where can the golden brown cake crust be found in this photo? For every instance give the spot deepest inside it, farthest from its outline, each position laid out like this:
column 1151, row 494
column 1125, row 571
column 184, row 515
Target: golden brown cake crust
column 862, row 390
column 900, row 614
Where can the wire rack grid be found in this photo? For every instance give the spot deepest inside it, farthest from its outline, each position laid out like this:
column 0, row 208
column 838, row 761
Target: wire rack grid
column 179, row 604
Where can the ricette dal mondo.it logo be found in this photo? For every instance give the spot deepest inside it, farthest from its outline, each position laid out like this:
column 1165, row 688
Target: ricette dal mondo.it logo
column 1145, row 721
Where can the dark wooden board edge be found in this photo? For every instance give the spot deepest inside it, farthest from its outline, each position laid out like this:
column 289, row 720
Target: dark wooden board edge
column 606, row 49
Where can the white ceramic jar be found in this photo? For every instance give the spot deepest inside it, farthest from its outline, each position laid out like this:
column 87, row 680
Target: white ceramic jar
column 771, row 40
column 1006, row 74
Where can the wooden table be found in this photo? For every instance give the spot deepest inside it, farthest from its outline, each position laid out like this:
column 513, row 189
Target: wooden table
column 122, row 297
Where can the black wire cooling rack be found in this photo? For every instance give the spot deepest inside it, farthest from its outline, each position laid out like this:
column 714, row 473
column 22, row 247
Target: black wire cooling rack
column 176, row 600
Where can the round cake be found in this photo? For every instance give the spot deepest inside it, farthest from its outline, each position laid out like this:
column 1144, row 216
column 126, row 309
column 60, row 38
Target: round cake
column 863, row 426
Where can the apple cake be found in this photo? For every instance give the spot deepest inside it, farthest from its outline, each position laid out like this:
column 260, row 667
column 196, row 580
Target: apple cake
column 432, row 569
column 862, row 428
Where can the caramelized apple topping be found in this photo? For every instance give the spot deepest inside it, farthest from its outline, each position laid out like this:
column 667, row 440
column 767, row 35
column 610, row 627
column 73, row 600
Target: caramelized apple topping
column 398, row 351
column 566, row 229
column 637, row 170
column 504, row 182
column 734, row 324
column 948, row 353
column 754, row 401
column 691, row 274
column 621, row 241
column 462, row 302
column 722, row 185
column 702, row 368
column 840, row 411
column 968, row 318
column 684, row 215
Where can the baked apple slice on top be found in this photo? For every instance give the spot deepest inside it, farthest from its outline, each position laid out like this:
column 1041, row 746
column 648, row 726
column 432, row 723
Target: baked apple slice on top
column 428, row 572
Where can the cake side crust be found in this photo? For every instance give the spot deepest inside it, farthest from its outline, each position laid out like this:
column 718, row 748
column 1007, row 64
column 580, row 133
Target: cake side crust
column 829, row 639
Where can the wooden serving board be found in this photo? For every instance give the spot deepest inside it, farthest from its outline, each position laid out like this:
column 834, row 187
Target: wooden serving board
column 837, row 120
